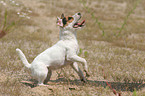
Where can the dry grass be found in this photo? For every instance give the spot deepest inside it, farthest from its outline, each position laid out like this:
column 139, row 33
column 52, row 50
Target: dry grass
column 112, row 55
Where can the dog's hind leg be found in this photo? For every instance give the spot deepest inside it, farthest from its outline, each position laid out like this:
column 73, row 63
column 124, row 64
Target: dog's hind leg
column 76, row 58
column 48, row 76
column 77, row 69
column 39, row 72
column 40, row 81
column 41, row 78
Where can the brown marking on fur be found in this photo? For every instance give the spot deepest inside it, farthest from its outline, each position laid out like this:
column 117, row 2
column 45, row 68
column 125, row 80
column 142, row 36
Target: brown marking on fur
column 69, row 19
column 66, row 18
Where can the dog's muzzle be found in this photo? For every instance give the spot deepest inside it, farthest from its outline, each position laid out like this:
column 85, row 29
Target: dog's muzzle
column 77, row 24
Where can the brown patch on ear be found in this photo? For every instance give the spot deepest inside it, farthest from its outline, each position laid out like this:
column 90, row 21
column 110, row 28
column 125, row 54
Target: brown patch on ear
column 64, row 21
column 62, row 16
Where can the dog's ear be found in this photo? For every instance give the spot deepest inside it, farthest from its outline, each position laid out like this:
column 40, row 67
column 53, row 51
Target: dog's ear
column 59, row 22
column 62, row 16
column 58, row 18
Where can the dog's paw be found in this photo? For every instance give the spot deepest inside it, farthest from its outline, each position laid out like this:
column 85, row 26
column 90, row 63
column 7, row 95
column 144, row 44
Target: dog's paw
column 87, row 75
column 83, row 80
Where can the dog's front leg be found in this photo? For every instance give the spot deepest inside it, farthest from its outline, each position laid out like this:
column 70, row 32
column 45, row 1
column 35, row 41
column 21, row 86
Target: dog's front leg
column 79, row 72
column 76, row 58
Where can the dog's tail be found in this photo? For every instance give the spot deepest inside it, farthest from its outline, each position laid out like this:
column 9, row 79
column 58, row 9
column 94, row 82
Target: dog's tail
column 23, row 58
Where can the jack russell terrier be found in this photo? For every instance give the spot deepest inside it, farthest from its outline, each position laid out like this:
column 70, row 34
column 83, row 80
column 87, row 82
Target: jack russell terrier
column 63, row 53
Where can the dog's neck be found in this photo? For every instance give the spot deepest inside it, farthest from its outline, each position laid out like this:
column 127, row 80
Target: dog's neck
column 67, row 34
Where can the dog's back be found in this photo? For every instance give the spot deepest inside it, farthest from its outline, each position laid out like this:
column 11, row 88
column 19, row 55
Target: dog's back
column 53, row 56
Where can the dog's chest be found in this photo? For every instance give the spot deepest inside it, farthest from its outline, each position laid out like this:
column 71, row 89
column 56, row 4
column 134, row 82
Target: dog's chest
column 71, row 44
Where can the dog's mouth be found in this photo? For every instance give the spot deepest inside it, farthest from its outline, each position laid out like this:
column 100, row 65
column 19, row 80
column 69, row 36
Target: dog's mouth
column 78, row 25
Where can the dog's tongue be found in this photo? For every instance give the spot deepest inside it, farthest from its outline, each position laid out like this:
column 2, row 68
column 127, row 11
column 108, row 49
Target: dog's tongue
column 81, row 23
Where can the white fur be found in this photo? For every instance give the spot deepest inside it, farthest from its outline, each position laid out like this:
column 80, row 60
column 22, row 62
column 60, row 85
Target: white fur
column 63, row 53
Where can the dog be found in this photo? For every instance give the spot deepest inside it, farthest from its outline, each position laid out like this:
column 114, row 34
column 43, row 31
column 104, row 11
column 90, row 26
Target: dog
column 62, row 54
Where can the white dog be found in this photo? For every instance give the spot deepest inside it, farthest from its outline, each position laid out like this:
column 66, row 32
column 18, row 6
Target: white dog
column 63, row 53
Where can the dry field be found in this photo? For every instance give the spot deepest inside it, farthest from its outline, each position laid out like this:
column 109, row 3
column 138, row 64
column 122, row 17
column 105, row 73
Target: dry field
column 113, row 43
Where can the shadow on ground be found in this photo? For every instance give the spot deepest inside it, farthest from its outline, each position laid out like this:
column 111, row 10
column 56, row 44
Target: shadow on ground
column 115, row 85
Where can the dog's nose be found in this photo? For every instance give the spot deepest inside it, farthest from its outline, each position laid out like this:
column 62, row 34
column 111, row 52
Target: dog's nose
column 79, row 13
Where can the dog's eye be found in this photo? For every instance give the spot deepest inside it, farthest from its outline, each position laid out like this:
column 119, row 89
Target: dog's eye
column 69, row 18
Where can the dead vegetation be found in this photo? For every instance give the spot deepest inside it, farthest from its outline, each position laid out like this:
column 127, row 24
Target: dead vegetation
column 113, row 43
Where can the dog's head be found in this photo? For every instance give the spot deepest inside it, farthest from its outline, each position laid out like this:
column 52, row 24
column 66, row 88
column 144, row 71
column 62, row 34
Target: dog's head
column 70, row 22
